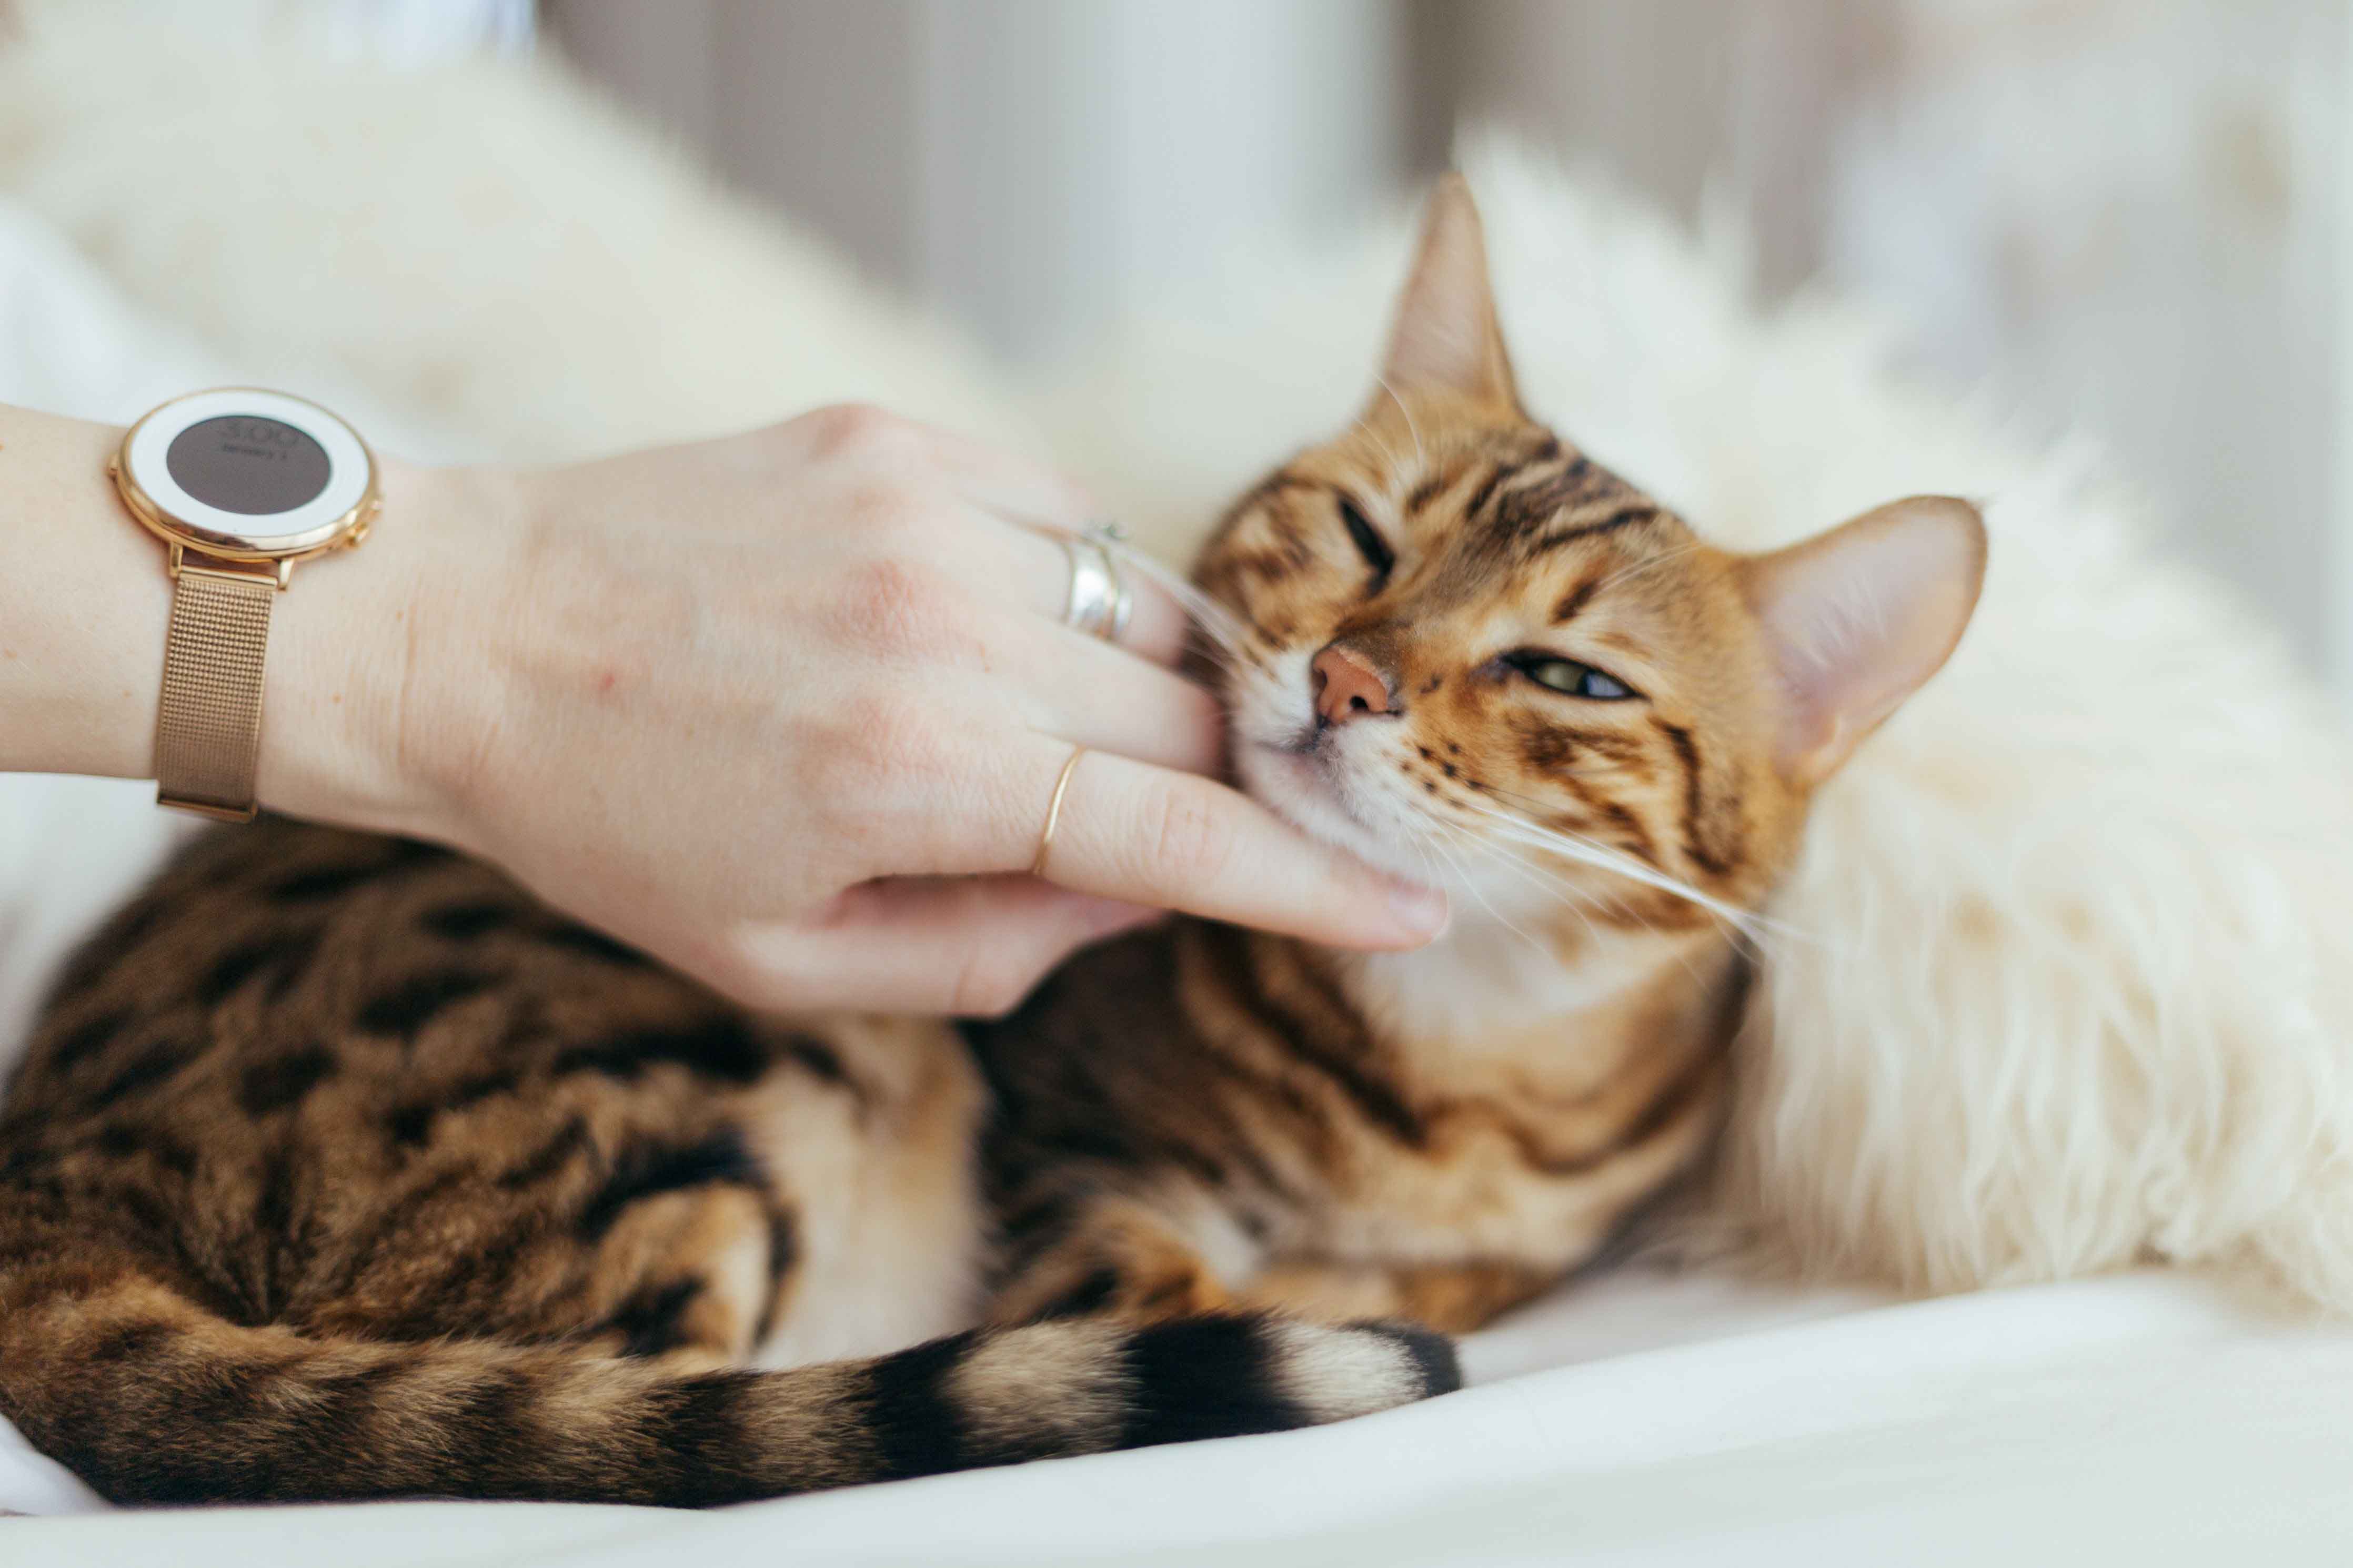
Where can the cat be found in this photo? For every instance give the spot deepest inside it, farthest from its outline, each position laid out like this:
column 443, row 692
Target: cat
column 342, row 1168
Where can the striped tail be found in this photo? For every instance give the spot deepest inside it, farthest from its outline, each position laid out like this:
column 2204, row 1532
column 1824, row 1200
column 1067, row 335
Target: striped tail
column 152, row 1401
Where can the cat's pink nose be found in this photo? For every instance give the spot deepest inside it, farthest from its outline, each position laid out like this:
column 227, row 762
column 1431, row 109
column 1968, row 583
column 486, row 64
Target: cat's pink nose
column 1349, row 687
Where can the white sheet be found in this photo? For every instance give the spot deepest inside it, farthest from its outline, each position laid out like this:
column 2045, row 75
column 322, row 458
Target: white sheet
column 2142, row 1419
column 1638, row 1419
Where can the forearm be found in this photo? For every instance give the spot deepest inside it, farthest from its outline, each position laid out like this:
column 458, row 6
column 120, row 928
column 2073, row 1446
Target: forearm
column 86, row 598
column 83, row 603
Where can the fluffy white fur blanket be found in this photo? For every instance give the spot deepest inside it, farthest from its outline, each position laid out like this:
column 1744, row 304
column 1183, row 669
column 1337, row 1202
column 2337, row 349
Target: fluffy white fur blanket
column 2069, row 980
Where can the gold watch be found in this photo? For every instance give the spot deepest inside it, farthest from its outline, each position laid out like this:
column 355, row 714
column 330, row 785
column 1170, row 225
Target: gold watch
column 240, row 484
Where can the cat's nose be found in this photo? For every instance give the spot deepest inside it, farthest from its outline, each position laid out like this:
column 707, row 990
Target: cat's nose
column 1349, row 687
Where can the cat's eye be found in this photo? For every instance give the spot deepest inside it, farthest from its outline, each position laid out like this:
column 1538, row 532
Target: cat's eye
column 1369, row 544
column 1566, row 675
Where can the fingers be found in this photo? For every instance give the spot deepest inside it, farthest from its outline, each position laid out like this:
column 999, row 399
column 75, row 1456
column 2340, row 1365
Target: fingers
column 1089, row 693
column 968, row 946
column 1147, row 835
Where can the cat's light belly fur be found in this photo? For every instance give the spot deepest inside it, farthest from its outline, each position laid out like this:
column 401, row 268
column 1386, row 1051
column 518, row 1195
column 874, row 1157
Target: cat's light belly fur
column 892, row 1230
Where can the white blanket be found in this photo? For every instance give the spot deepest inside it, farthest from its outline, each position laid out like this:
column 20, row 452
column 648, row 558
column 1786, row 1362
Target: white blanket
column 2138, row 1419
column 1639, row 1418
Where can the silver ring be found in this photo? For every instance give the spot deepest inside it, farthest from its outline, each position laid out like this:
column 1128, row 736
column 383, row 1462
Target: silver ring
column 1107, row 539
column 1093, row 587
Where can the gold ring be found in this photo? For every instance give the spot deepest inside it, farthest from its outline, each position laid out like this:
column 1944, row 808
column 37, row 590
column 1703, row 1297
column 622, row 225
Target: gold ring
column 1054, row 813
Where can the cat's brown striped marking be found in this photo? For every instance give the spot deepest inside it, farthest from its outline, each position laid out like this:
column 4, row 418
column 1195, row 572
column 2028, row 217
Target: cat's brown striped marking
column 1710, row 825
column 1634, row 838
column 1576, row 600
column 1426, row 493
column 1474, row 507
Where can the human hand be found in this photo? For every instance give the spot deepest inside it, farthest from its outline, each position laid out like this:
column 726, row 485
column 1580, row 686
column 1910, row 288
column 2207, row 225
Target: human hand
column 787, row 709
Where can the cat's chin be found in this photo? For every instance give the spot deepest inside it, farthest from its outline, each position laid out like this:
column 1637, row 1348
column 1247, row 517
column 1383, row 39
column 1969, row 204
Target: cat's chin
column 1298, row 786
column 1306, row 789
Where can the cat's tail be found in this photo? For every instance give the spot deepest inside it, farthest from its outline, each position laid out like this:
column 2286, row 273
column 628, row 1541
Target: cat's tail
column 152, row 1400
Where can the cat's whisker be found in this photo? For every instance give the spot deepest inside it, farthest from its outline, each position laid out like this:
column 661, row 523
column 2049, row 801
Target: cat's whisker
column 1221, row 626
column 1428, row 864
column 1615, row 904
column 1430, row 856
column 1520, row 868
column 1535, row 876
column 1218, row 658
column 1579, row 900
column 1470, row 884
column 1396, row 459
column 1583, row 852
column 1662, row 558
column 1407, row 409
column 1570, row 896
column 1586, row 852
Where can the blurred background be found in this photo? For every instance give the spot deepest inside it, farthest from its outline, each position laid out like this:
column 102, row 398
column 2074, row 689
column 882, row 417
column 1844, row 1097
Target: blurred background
column 2121, row 215
column 2127, row 217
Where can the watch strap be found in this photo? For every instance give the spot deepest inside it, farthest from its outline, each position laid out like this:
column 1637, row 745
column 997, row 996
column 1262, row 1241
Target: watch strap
column 209, row 727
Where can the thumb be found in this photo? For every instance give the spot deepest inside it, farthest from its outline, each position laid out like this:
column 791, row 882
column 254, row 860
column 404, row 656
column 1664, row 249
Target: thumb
column 971, row 946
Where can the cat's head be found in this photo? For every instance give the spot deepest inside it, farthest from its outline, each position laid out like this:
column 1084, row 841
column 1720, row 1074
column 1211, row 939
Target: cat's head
column 1459, row 640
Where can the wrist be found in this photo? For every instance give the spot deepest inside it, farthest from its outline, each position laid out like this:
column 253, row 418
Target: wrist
column 371, row 719
column 83, row 603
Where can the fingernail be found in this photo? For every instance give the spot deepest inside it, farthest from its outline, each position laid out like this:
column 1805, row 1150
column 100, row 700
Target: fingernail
column 1421, row 910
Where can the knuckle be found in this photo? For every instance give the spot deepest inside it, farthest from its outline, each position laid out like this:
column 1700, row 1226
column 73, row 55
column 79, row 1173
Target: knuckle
column 1192, row 841
column 896, row 606
column 857, row 430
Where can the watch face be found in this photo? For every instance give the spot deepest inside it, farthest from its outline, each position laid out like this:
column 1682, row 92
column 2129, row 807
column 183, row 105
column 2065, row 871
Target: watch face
column 248, row 465
column 247, row 474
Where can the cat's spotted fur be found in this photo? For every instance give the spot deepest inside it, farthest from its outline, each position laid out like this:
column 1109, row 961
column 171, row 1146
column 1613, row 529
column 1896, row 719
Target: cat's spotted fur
column 342, row 1168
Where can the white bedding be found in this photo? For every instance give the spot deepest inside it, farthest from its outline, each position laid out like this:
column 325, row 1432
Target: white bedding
column 1637, row 1418
column 2138, row 1419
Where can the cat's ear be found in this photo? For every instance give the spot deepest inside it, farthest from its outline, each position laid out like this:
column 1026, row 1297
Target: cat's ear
column 1445, row 336
column 1855, row 619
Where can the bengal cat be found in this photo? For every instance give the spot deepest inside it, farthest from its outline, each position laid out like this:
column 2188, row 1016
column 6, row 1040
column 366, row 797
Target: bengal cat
column 341, row 1168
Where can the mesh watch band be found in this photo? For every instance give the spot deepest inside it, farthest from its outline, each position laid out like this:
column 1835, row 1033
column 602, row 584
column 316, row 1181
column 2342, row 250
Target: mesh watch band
column 209, row 727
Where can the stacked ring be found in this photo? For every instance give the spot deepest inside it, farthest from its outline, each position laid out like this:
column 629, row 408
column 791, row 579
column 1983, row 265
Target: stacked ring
column 1099, row 603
